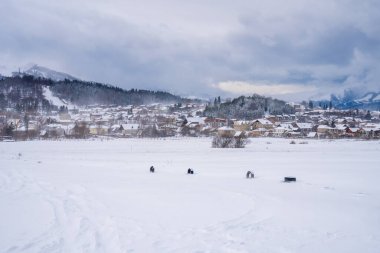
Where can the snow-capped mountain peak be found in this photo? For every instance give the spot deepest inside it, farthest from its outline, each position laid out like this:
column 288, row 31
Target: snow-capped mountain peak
column 369, row 97
column 43, row 72
column 370, row 100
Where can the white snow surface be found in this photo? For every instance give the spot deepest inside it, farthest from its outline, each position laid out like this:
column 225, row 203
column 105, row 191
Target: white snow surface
column 48, row 94
column 98, row 196
column 376, row 98
column 366, row 98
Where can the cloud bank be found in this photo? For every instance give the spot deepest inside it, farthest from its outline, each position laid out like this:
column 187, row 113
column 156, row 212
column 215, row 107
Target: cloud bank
column 245, row 88
column 292, row 49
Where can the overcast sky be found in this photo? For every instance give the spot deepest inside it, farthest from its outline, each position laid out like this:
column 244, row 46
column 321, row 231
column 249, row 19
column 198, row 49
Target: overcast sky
column 294, row 49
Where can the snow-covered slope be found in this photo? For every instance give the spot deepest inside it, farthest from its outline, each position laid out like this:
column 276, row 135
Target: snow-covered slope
column 48, row 94
column 376, row 98
column 366, row 98
column 98, row 196
column 43, row 72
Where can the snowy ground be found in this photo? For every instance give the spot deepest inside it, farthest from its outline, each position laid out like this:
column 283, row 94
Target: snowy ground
column 98, row 196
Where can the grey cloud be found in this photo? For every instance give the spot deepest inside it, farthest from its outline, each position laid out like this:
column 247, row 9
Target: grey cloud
column 331, row 44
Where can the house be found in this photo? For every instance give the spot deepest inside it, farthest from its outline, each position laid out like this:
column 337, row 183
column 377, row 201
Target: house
column 69, row 130
column 3, row 119
column 198, row 120
column 54, row 131
column 262, row 123
column 280, row 131
column 215, row 122
column 194, row 126
column 258, row 132
column 168, row 129
column 95, row 116
column 20, row 133
column 226, row 131
column 325, row 131
column 99, row 129
column 64, row 116
column 130, row 130
column 293, row 134
column 116, row 129
column 14, row 122
column 242, row 125
column 80, row 130
column 340, row 130
column 207, row 131
column 304, row 128
column 322, row 131
column 273, row 118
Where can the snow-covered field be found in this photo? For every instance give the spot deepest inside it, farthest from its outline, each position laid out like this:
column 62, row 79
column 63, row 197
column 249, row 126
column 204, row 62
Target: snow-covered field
column 98, row 196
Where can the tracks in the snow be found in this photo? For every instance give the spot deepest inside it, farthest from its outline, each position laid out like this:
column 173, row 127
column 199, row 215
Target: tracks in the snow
column 80, row 223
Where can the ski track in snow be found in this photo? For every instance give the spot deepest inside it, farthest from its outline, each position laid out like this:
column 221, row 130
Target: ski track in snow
column 79, row 223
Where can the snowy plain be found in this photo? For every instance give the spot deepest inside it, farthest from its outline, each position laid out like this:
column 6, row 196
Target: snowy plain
column 98, row 196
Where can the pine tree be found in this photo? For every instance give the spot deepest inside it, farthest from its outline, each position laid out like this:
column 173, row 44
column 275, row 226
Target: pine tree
column 368, row 115
column 311, row 105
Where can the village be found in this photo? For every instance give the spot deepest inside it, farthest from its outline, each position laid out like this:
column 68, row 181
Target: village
column 176, row 120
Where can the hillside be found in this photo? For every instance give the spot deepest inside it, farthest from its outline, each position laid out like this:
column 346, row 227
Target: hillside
column 248, row 107
column 27, row 93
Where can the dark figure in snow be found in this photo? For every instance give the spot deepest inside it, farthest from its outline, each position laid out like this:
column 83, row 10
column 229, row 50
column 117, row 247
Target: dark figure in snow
column 151, row 169
column 250, row 174
column 190, row 171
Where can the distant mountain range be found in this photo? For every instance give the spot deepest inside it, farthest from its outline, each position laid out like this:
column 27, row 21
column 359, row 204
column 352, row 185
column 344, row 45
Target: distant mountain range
column 350, row 100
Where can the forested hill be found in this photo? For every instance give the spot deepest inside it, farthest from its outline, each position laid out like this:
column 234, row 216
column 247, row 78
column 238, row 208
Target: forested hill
column 84, row 93
column 252, row 107
column 28, row 92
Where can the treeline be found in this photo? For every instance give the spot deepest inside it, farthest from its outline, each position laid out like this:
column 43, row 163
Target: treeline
column 26, row 94
column 248, row 108
column 86, row 93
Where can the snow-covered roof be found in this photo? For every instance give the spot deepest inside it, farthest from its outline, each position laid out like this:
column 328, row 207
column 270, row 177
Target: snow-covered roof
column 372, row 125
column 198, row 120
column 305, row 125
column 281, row 129
column 287, row 126
column 264, row 121
column 311, row 134
column 238, row 134
column 340, row 126
column 54, row 126
column 354, row 129
column 226, row 128
column 130, row 126
column 241, row 122
column 260, row 130
column 324, row 127
column 20, row 129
